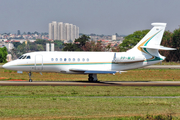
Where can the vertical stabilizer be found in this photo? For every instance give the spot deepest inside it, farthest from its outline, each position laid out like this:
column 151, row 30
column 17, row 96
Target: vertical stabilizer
column 153, row 37
column 150, row 43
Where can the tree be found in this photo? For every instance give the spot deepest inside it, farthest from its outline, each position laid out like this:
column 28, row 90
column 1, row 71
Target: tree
column 41, row 41
column 175, row 44
column 3, row 54
column 71, row 47
column 78, row 45
column 108, row 47
column 58, row 45
column 16, row 44
column 131, row 40
column 92, row 46
column 40, row 47
column 82, row 40
column 167, row 42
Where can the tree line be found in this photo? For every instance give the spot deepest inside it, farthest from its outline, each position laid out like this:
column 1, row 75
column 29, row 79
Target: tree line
column 38, row 45
column 83, row 43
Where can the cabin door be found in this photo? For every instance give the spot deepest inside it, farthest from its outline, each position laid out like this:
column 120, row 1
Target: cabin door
column 39, row 62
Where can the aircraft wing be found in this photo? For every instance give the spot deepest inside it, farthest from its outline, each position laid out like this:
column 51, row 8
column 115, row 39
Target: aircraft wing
column 92, row 71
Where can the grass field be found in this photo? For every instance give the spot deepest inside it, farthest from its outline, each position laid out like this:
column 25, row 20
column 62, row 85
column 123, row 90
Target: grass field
column 91, row 102
column 75, row 102
column 131, row 75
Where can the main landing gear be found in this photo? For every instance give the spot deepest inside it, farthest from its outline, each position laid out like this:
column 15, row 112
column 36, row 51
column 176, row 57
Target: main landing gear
column 92, row 78
column 30, row 80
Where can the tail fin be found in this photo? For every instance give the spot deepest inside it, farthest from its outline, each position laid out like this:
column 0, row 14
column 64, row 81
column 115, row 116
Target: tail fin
column 150, row 43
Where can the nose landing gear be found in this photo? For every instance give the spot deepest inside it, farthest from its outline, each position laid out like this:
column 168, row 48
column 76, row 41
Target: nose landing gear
column 30, row 80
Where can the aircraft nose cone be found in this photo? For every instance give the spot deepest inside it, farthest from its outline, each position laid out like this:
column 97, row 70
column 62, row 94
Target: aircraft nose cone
column 5, row 66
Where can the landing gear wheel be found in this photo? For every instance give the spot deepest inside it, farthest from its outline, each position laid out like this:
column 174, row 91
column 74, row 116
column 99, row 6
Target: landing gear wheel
column 90, row 75
column 90, row 79
column 30, row 80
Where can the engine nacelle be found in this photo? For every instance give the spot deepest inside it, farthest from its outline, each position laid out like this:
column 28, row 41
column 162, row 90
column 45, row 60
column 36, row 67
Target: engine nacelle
column 128, row 58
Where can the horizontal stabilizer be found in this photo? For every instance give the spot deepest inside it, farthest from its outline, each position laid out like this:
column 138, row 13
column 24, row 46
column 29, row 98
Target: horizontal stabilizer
column 157, row 47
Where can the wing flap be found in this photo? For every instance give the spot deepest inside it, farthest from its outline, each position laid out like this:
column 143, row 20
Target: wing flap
column 93, row 71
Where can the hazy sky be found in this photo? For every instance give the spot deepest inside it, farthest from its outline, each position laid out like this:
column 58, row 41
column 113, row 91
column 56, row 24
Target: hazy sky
column 92, row 16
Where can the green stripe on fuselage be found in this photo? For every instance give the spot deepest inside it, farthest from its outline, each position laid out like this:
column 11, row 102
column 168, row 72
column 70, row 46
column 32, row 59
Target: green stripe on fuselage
column 64, row 64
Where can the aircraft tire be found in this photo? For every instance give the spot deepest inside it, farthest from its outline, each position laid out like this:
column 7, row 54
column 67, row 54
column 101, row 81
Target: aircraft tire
column 30, row 80
column 91, row 79
column 90, row 75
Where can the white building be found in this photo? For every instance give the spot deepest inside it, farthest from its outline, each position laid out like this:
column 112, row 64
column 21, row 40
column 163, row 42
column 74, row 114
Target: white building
column 63, row 31
column 113, row 37
column 77, row 32
column 51, row 31
column 55, row 30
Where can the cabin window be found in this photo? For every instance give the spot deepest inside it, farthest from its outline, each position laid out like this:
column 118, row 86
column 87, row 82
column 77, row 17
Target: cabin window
column 78, row 59
column 64, row 59
column 56, row 59
column 60, row 59
column 20, row 57
column 24, row 57
column 83, row 59
column 52, row 59
column 73, row 59
column 87, row 59
column 28, row 57
column 69, row 59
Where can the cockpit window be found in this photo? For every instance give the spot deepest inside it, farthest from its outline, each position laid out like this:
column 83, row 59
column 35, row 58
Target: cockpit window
column 24, row 57
column 20, row 57
column 28, row 57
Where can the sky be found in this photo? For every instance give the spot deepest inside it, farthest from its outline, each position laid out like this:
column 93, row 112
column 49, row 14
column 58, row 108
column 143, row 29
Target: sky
column 91, row 16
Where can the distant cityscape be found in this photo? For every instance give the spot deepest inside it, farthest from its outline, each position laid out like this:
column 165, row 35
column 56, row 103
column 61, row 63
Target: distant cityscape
column 64, row 32
column 24, row 35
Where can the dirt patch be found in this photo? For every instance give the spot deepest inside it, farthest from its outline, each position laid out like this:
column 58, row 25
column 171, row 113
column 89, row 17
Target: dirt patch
column 17, row 80
column 2, row 78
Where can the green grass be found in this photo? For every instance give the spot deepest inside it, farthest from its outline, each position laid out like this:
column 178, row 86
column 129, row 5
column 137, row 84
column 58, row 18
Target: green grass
column 85, row 102
column 56, row 91
column 131, row 75
column 78, row 102
column 50, row 107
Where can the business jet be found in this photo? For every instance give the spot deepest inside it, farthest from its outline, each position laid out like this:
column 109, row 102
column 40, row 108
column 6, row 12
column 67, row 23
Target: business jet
column 92, row 63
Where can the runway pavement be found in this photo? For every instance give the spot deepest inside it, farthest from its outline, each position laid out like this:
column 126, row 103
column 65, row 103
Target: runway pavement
column 162, row 67
column 86, row 83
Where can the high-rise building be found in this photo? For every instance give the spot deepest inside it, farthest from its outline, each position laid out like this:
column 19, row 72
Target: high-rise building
column 51, row 31
column 68, row 31
column 55, row 30
column 63, row 31
column 72, row 32
column 18, row 32
column 77, row 32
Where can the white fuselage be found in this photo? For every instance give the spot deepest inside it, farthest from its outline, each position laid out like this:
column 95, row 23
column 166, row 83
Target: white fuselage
column 64, row 61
